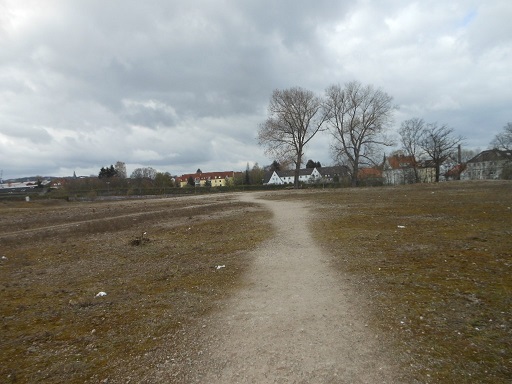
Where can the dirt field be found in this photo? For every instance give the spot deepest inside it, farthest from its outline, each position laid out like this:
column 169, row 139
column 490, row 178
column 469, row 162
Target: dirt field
column 407, row 284
column 55, row 257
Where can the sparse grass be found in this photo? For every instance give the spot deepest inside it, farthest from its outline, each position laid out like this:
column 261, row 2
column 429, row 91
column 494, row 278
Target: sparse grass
column 441, row 286
column 55, row 329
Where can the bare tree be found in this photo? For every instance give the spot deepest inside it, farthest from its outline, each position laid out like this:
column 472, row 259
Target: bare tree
column 144, row 173
column 410, row 135
column 503, row 140
column 438, row 143
column 358, row 117
column 295, row 117
column 164, row 181
column 468, row 154
column 120, row 168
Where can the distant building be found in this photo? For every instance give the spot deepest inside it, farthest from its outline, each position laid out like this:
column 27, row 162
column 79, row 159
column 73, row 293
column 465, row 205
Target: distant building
column 399, row 169
column 488, row 164
column 213, row 179
column 455, row 172
column 306, row 176
column 426, row 171
column 371, row 176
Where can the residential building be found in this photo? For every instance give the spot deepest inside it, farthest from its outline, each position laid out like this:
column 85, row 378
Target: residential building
column 399, row 169
column 334, row 174
column 426, row 171
column 370, row 176
column 213, row 179
column 306, row 176
column 455, row 172
column 488, row 164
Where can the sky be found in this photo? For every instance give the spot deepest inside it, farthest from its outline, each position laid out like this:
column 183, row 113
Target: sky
column 179, row 85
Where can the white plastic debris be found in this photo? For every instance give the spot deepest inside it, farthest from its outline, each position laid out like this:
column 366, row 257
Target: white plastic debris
column 4, row 257
column 101, row 294
column 401, row 226
column 220, row 266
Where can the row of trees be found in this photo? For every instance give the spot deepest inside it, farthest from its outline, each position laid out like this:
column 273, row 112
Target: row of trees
column 356, row 115
column 420, row 139
column 140, row 178
column 119, row 171
column 358, row 118
column 503, row 140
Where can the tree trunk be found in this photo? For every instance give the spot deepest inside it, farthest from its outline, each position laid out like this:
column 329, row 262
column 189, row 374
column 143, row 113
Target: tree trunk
column 297, row 174
column 416, row 174
column 353, row 181
column 438, row 171
column 355, row 172
column 297, row 168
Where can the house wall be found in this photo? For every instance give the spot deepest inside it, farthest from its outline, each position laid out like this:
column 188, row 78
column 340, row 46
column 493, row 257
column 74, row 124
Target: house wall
column 398, row 176
column 216, row 181
column 289, row 179
column 483, row 170
column 427, row 175
column 275, row 179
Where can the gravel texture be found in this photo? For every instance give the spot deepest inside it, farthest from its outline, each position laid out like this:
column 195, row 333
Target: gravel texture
column 294, row 320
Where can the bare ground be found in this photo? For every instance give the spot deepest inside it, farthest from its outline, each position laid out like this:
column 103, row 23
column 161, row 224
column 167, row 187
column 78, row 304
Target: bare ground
column 408, row 284
column 293, row 321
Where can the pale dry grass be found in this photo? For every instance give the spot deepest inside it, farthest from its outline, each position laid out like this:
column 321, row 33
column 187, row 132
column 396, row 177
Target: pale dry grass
column 55, row 329
column 434, row 263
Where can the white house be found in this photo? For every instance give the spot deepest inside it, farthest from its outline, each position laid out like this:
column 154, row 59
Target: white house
column 399, row 169
column 306, row 176
column 488, row 164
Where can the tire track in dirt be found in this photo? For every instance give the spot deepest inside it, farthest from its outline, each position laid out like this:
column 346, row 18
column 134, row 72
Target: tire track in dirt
column 294, row 321
column 77, row 223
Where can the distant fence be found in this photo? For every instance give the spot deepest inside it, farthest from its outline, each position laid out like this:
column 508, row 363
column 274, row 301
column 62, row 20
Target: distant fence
column 148, row 192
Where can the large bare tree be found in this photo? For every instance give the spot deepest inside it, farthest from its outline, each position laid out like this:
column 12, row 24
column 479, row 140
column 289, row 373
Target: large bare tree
column 503, row 140
column 295, row 117
column 438, row 142
column 410, row 133
column 358, row 117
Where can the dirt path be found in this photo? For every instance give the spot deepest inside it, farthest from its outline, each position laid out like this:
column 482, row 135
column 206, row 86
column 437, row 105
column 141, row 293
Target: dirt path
column 294, row 321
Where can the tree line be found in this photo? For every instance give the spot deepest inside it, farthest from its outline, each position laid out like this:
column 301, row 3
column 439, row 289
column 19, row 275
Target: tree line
column 358, row 117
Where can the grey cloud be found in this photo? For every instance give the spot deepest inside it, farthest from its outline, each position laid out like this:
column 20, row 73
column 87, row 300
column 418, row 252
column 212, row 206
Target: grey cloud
column 183, row 82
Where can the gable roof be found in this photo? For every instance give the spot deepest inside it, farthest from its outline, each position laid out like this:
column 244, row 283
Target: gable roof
column 268, row 175
column 400, row 161
column 364, row 173
column 205, row 176
column 333, row 171
column 328, row 172
column 491, row 155
column 428, row 163
column 455, row 171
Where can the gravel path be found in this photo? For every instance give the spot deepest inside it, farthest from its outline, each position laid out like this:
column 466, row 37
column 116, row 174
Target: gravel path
column 294, row 321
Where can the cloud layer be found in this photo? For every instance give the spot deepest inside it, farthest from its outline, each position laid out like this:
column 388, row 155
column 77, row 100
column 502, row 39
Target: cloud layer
column 183, row 85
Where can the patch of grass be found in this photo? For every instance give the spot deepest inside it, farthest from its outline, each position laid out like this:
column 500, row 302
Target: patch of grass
column 435, row 264
column 55, row 329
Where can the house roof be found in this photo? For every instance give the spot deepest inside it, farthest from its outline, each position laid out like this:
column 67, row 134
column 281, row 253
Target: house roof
column 400, row 161
column 365, row 173
column 291, row 173
column 455, row 171
column 491, row 155
column 324, row 171
column 205, row 176
column 426, row 164
column 333, row 171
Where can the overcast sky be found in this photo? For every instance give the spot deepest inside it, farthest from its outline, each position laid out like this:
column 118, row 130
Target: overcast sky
column 179, row 85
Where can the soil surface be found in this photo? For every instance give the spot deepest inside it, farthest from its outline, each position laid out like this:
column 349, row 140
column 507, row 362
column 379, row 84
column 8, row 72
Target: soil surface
column 294, row 320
